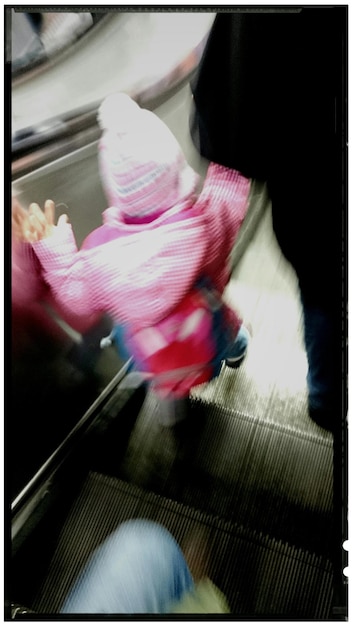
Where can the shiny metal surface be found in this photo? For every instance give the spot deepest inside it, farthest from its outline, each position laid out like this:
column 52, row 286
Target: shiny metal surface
column 49, row 122
column 58, row 456
column 142, row 53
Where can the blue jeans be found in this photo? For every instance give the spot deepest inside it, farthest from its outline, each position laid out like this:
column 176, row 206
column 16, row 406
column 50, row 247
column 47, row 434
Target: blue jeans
column 324, row 354
column 138, row 569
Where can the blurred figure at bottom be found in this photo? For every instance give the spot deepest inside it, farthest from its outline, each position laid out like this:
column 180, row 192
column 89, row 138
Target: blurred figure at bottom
column 140, row 568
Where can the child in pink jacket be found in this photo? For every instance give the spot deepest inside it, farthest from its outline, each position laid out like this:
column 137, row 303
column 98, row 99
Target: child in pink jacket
column 160, row 262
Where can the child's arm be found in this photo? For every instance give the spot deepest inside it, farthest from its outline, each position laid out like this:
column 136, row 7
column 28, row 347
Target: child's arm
column 55, row 247
column 224, row 202
column 229, row 192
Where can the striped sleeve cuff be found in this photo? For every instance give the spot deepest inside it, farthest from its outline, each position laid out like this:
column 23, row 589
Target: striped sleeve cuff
column 56, row 251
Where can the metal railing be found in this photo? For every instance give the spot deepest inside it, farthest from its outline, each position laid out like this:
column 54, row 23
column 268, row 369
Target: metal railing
column 59, row 455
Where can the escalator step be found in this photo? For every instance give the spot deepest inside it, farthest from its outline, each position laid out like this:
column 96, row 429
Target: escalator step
column 260, row 474
column 260, row 576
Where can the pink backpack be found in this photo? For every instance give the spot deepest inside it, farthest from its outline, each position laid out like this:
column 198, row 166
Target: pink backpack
column 185, row 348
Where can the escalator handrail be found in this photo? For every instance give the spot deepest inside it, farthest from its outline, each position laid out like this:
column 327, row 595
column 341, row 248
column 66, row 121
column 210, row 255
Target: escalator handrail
column 35, row 147
column 58, row 456
column 82, row 122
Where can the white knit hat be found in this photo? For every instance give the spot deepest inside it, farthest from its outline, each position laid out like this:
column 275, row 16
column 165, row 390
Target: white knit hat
column 142, row 166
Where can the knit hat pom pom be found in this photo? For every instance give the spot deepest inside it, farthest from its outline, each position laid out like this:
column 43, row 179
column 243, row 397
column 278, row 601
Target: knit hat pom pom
column 118, row 112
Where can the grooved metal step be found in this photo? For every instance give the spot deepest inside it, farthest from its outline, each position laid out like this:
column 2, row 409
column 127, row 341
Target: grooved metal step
column 261, row 576
column 263, row 475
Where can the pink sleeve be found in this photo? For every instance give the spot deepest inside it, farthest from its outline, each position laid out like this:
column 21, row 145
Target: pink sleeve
column 228, row 192
column 63, row 267
column 224, row 197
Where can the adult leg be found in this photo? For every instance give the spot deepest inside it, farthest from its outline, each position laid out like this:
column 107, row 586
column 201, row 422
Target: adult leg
column 324, row 354
column 307, row 225
column 138, row 569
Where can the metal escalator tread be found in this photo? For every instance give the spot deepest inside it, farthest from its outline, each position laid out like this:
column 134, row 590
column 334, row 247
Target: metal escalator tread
column 268, row 476
column 260, row 576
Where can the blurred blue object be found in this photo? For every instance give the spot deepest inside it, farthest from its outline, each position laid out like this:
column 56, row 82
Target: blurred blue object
column 140, row 568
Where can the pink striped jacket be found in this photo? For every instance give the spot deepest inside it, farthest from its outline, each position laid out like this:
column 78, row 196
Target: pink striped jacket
column 140, row 272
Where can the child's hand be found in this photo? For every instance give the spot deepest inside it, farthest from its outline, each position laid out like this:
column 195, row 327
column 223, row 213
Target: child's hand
column 34, row 224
